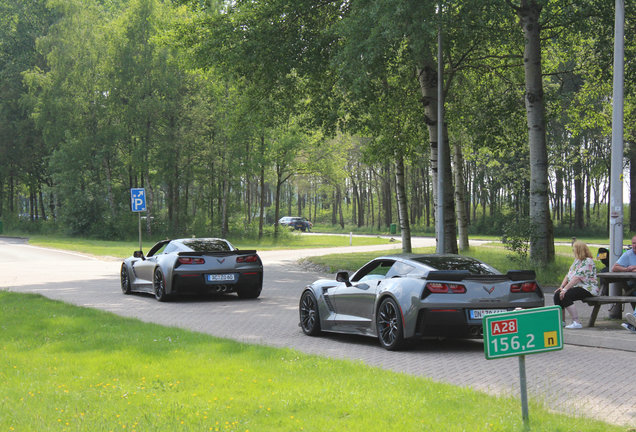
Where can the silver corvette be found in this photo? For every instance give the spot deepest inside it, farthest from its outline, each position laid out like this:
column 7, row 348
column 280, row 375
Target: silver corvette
column 185, row 265
column 401, row 297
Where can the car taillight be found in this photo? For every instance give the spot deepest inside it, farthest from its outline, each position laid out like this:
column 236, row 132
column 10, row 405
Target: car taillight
column 523, row 287
column 247, row 259
column 190, row 260
column 442, row 288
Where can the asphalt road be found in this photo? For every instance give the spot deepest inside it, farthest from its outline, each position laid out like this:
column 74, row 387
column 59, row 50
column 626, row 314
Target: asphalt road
column 585, row 381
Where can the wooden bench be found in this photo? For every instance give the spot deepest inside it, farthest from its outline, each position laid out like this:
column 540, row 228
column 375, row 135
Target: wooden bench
column 598, row 301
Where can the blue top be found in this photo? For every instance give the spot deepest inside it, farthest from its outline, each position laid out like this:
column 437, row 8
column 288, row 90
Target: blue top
column 627, row 259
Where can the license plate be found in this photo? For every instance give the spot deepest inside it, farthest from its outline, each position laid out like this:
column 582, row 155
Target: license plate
column 223, row 277
column 480, row 313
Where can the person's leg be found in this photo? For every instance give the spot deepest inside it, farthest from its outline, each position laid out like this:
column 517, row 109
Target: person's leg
column 573, row 294
column 557, row 302
column 573, row 313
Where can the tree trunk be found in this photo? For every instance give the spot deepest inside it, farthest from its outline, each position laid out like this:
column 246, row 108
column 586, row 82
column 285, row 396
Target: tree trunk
column 339, row 199
column 427, row 78
column 632, row 189
column 460, row 197
column 400, row 188
column 579, row 196
column 542, row 235
column 261, row 214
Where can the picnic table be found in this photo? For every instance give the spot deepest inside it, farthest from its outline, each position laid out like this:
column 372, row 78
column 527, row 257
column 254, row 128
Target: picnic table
column 604, row 280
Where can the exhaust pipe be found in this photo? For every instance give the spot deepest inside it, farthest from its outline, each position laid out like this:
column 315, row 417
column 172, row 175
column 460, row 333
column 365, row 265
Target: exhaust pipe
column 476, row 331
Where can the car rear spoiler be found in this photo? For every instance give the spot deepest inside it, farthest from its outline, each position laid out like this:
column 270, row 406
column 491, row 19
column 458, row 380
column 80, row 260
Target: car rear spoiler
column 219, row 253
column 459, row 275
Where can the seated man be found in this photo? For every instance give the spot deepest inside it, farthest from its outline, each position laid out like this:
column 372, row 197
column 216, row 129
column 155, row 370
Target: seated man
column 627, row 263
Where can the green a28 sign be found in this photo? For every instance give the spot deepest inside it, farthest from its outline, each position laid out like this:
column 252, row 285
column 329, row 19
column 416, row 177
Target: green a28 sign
column 520, row 332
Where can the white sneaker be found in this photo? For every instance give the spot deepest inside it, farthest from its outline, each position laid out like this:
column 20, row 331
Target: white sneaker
column 628, row 327
column 574, row 325
column 631, row 319
column 562, row 323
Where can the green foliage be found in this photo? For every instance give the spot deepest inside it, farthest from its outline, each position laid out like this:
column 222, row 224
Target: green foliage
column 191, row 99
column 516, row 238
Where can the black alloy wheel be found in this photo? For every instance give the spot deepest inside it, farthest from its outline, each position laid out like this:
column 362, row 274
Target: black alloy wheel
column 159, row 284
column 309, row 317
column 389, row 325
column 125, row 280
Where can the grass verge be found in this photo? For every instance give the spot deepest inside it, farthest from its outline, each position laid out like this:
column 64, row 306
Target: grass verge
column 65, row 368
column 123, row 249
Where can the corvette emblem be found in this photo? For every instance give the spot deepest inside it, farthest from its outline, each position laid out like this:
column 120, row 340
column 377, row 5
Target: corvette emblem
column 489, row 290
column 221, row 261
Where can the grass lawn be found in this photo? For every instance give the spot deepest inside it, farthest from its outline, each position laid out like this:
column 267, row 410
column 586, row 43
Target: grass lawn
column 64, row 368
column 123, row 249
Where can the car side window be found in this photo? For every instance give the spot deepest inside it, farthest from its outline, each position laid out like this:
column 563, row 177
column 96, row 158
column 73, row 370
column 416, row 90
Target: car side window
column 378, row 268
column 399, row 269
column 168, row 249
column 157, row 248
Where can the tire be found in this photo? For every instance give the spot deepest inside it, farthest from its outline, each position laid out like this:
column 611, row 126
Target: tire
column 249, row 292
column 159, row 285
column 389, row 325
column 309, row 316
column 125, row 280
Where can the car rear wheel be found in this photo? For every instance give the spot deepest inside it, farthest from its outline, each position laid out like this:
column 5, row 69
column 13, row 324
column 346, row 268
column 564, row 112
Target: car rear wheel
column 125, row 280
column 309, row 317
column 389, row 325
column 159, row 283
column 250, row 292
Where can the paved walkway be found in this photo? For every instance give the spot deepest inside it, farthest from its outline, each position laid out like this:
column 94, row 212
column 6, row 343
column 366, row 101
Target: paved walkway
column 578, row 380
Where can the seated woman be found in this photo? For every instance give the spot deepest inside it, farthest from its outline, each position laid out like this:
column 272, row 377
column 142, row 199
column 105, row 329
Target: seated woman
column 579, row 283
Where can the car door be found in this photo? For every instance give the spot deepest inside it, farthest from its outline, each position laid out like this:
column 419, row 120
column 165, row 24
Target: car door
column 355, row 303
column 145, row 268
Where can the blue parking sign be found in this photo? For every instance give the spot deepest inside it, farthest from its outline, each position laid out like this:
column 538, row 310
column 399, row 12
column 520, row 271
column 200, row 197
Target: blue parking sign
column 138, row 199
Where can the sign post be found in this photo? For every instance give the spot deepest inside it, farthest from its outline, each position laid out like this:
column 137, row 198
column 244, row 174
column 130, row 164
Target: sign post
column 521, row 332
column 138, row 205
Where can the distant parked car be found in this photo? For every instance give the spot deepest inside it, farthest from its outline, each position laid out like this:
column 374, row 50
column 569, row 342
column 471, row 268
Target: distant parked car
column 177, row 266
column 295, row 222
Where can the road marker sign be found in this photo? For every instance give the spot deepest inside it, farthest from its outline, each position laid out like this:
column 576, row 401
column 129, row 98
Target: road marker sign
column 521, row 332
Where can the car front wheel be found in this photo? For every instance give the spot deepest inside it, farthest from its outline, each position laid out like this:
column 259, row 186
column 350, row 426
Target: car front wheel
column 309, row 317
column 159, row 283
column 125, row 280
column 389, row 325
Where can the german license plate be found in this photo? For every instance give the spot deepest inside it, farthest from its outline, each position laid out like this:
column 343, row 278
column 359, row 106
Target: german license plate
column 480, row 313
column 222, row 277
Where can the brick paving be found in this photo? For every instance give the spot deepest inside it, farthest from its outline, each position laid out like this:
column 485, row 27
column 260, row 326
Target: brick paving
column 578, row 380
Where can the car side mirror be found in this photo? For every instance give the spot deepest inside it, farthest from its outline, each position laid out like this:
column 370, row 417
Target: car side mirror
column 138, row 254
column 343, row 276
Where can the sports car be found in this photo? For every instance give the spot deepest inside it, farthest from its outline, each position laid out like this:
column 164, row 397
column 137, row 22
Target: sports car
column 212, row 265
column 402, row 297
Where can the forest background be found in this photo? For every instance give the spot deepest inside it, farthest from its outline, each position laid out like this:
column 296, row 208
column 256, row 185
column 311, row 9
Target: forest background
column 233, row 114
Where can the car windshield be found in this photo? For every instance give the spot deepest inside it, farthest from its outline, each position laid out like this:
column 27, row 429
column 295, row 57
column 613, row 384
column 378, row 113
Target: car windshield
column 449, row 262
column 207, row 245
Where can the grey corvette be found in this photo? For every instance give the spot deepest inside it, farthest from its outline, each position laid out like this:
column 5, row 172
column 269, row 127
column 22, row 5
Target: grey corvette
column 185, row 265
column 401, row 297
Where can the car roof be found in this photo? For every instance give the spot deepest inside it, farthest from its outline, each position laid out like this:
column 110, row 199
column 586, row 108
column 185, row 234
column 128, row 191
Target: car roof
column 199, row 244
column 443, row 262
